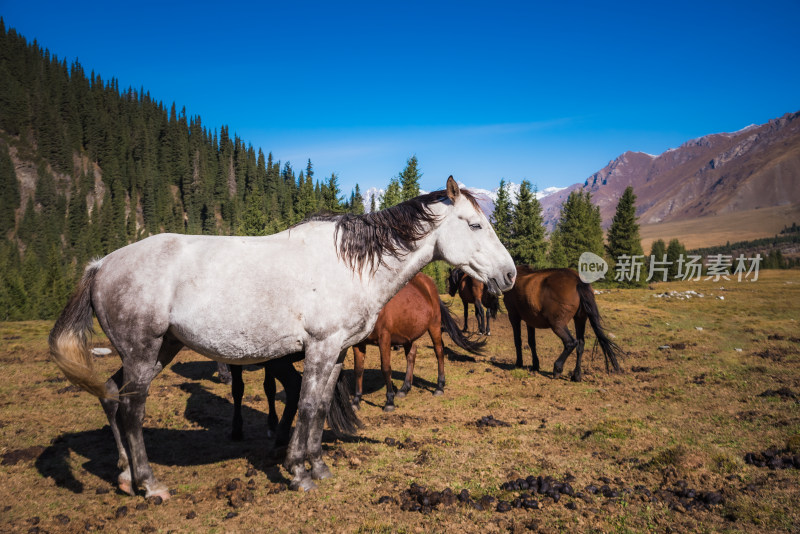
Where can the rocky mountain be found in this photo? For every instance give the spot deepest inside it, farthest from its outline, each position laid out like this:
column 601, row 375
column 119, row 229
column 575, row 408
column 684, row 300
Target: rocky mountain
column 755, row 167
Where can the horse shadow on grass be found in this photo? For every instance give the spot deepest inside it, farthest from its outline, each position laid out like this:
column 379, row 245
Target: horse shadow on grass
column 174, row 447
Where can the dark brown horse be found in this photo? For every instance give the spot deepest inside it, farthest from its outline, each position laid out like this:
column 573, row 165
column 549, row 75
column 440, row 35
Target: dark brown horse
column 473, row 292
column 415, row 309
column 551, row 298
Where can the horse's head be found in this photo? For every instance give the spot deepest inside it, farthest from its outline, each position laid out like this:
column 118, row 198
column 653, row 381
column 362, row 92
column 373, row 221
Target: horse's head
column 467, row 240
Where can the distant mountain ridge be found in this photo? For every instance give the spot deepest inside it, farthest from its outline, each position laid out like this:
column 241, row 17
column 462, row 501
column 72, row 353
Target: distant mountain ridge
column 755, row 167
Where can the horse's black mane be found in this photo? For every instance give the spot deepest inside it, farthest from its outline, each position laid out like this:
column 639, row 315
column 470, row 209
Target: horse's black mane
column 364, row 240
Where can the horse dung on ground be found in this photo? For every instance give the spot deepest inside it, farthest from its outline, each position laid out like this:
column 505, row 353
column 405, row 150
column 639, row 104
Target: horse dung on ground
column 317, row 287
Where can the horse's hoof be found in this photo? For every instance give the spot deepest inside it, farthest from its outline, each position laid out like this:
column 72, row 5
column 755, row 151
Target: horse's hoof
column 388, row 408
column 303, row 483
column 356, row 406
column 400, row 394
column 438, row 392
column 320, row 471
column 577, row 378
column 125, row 485
column 158, row 490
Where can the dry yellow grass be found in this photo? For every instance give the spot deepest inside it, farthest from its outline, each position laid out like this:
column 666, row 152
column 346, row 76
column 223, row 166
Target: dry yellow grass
column 719, row 229
column 687, row 413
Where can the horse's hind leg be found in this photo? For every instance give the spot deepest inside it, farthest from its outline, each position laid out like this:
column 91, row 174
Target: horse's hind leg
column 569, row 345
column 580, row 331
column 516, row 327
column 466, row 315
column 411, row 357
column 111, row 407
column 136, row 378
column 237, row 391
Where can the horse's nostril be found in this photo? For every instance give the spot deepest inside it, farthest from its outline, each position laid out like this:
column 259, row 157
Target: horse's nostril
column 510, row 277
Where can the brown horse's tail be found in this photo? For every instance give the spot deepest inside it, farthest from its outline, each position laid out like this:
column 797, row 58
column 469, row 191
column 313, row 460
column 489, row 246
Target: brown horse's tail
column 610, row 349
column 342, row 418
column 449, row 325
column 69, row 338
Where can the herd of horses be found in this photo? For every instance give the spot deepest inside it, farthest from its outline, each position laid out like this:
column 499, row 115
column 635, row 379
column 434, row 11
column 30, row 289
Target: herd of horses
column 272, row 305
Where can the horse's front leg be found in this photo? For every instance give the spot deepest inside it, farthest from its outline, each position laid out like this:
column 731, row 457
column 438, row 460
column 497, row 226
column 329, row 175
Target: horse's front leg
column 411, row 357
column 237, row 391
column 319, row 380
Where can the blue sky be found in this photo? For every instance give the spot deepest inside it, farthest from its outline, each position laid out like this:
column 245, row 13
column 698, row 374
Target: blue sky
column 480, row 90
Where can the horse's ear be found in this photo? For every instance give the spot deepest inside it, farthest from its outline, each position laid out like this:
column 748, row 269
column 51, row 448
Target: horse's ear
column 452, row 189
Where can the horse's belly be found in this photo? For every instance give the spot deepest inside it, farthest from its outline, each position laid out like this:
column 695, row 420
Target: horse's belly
column 238, row 345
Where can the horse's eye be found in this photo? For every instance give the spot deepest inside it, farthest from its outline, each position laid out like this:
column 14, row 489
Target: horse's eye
column 475, row 226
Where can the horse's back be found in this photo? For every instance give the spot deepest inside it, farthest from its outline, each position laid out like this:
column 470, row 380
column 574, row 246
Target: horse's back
column 541, row 297
column 225, row 297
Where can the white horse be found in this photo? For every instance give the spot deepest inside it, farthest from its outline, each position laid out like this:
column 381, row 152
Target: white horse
column 317, row 287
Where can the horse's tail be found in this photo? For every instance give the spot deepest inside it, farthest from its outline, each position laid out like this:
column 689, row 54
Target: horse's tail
column 449, row 325
column 69, row 338
column 342, row 417
column 610, row 349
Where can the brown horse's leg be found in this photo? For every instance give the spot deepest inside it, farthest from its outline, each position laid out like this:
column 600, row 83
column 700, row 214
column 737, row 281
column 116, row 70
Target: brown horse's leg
column 237, row 391
column 516, row 327
column 385, row 346
column 479, row 315
column 569, row 345
column 580, row 331
column 411, row 357
column 532, row 345
column 466, row 315
column 359, row 352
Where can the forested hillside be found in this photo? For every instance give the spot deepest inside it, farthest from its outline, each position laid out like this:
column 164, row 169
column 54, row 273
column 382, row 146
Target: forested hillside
column 87, row 167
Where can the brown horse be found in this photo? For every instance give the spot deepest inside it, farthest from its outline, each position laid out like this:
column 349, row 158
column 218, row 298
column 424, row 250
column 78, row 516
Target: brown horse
column 414, row 310
column 550, row 298
column 473, row 291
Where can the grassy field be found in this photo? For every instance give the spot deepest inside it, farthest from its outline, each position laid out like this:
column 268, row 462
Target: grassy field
column 664, row 437
column 718, row 229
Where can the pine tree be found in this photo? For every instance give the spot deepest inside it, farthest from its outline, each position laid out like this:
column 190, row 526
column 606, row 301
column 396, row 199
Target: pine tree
column 578, row 229
column 409, row 179
column 331, row 193
column 675, row 250
column 658, row 249
column 393, row 194
column 623, row 235
column 356, row 201
column 253, row 221
column 527, row 229
column 501, row 217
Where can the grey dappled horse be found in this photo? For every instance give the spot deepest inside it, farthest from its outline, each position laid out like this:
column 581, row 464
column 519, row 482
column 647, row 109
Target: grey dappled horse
column 316, row 287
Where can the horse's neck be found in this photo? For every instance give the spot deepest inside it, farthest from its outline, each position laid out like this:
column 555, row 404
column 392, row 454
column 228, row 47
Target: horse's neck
column 394, row 273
